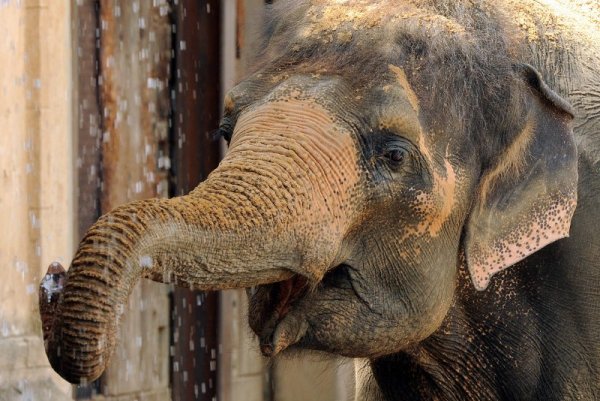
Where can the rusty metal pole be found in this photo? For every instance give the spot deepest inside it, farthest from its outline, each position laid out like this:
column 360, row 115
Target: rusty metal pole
column 89, row 129
column 195, row 113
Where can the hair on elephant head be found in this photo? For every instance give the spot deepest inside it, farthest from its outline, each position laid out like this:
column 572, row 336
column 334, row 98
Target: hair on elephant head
column 376, row 152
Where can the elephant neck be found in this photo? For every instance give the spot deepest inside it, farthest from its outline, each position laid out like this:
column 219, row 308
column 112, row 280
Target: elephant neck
column 441, row 370
column 502, row 343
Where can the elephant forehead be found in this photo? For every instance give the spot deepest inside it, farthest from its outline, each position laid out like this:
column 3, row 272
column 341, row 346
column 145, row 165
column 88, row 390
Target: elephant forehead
column 314, row 156
column 298, row 120
column 325, row 16
column 310, row 88
column 346, row 18
column 299, row 128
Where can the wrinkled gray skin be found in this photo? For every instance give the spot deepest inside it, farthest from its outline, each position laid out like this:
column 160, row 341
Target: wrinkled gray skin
column 385, row 161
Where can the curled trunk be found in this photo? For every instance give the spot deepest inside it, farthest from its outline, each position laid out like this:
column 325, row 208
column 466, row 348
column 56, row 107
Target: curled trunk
column 278, row 204
column 187, row 240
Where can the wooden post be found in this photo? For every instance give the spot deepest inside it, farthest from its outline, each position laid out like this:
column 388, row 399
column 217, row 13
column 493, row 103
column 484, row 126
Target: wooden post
column 134, row 60
column 87, row 112
column 196, row 102
column 88, row 128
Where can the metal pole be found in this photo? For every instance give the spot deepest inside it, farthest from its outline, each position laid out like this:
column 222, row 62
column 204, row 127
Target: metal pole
column 89, row 128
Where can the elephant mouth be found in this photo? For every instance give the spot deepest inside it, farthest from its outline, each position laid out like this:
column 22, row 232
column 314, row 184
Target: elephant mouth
column 269, row 314
column 275, row 310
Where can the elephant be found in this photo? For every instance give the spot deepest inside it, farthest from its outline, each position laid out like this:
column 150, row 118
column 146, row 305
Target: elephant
column 411, row 183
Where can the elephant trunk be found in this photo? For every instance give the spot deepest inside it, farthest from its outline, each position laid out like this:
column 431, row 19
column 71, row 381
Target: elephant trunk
column 280, row 203
column 188, row 240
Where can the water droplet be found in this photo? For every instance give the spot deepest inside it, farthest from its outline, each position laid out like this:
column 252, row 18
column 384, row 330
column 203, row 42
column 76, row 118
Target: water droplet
column 5, row 329
column 35, row 223
column 146, row 261
column 164, row 162
column 21, row 266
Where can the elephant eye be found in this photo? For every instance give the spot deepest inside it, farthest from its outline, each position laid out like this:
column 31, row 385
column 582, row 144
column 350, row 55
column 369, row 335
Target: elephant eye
column 225, row 134
column 396, row 156
column 225, row 130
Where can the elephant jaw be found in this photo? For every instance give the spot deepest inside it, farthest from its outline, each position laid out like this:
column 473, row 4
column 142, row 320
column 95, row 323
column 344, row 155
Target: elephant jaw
column 278, row 328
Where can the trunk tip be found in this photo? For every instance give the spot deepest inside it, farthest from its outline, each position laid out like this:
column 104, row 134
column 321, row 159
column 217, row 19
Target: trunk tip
column 55, row 268
column 52, row 284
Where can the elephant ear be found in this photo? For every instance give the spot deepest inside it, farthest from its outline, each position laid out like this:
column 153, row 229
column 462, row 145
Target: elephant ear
column 526, row 200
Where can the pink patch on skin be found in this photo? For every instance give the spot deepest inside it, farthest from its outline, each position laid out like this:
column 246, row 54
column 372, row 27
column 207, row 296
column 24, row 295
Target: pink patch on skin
column 550, row 223
column 437, row 206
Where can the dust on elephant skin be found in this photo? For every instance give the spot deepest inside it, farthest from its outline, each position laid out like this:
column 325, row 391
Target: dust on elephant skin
column 407, row 183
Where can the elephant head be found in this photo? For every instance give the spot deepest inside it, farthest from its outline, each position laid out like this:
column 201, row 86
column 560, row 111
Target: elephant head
column 369, row 158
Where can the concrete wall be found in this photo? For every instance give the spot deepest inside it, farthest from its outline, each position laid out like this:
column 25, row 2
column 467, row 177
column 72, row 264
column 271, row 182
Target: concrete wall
column 36, row 184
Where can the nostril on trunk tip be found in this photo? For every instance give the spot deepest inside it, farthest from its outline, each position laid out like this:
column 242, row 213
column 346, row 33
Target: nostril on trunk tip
column 55, row 268
column 52, row 283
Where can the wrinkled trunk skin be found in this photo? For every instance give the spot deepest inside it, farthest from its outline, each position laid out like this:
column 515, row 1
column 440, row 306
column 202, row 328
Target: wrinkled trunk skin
column 186, row 240
column 280, row 203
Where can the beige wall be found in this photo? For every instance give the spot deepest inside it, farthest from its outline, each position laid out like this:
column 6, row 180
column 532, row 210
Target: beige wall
column 36, row 183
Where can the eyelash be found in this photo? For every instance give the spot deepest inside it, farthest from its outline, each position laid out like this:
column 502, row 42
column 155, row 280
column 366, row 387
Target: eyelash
column 396, row 156
column 388, row 146
column 224, row 131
